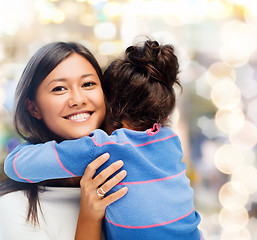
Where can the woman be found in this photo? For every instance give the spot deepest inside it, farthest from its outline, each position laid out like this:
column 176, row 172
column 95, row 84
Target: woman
column 50, row 210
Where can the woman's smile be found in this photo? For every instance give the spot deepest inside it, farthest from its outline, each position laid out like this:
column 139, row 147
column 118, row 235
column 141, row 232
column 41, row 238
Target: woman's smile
column 79, row 117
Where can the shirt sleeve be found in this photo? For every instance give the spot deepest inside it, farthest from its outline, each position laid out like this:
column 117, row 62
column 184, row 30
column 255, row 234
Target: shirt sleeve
column 38, row 162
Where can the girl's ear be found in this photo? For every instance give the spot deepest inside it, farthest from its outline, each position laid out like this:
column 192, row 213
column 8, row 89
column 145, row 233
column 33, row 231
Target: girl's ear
column 33, row 110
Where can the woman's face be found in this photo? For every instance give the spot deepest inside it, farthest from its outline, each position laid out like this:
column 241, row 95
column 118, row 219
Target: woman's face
column 70, row 99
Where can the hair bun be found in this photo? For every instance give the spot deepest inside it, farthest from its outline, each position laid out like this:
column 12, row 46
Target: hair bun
column 157, row 61
column 143, row 54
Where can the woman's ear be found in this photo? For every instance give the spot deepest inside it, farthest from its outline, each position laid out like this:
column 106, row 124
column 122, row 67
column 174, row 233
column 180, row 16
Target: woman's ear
column 33, row 110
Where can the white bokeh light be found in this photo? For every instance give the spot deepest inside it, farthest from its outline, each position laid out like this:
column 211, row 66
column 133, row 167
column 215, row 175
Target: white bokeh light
column 231, row 199
column 246, row 138
column 220, row 71
column 105, row 31
column 247, row 175
column 226, row 95
column 227, row 158
column 239, row 42
column 230, row 121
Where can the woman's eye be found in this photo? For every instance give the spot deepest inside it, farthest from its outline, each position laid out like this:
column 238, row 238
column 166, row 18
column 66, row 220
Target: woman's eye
column 58, row 89
column 88, row 84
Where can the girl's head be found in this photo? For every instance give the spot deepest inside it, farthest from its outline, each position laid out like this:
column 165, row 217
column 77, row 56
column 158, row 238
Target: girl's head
column 139, row 88
column 59, row 95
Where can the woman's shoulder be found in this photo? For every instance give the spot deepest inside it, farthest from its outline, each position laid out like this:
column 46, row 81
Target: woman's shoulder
column 13, row 209
column 49, row 193
column 60, row 207
column 17, row 200
column 10, row 201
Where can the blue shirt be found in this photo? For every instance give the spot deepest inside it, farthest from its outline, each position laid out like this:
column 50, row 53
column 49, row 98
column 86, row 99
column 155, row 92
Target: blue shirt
column 159, row 203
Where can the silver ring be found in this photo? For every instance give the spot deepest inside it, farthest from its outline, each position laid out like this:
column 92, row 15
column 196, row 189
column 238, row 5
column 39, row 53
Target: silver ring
column 100, row 192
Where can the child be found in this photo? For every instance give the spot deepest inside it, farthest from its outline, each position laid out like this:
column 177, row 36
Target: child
column 139, row 97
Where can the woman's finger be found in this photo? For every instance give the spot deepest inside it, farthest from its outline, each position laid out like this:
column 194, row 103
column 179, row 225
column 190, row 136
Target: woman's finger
column 107, row 172
column 94, row 165
column 107, row 186
column 114, row 196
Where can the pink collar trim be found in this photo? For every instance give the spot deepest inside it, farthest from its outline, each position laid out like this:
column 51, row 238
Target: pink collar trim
column 155, row 129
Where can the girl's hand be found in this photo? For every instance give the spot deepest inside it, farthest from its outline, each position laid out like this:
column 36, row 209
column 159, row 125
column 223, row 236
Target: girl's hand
column 92, row 206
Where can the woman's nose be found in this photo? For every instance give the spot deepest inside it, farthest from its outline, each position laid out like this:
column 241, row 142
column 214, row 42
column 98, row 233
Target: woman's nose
column 77, row 98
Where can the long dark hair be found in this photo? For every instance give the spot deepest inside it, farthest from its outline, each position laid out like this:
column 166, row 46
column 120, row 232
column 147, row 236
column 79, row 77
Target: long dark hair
column 139, row 88
column 28, row 127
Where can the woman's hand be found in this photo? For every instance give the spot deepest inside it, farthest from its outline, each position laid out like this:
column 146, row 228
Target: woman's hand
column 92, row 206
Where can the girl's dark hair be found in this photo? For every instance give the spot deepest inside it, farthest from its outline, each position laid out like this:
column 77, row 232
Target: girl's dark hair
column 139, row 88
column 28, row 127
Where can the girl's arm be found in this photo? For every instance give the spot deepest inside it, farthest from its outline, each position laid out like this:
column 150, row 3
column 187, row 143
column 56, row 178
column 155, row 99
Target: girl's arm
column 37, row 162
column 92, row 207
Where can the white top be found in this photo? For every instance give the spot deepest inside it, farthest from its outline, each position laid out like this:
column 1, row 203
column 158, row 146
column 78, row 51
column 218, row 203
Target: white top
column 60, row 207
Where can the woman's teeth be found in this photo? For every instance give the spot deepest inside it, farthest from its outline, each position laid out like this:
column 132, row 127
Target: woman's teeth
column 79, row 117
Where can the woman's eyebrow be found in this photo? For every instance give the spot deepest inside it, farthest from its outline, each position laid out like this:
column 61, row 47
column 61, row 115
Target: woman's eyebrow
column 57, row 80
column 88, row 75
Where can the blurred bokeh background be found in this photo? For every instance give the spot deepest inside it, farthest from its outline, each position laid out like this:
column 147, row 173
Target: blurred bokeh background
column 216, row 115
